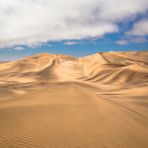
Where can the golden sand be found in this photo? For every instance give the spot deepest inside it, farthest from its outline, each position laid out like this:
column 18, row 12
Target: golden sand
column 59, row 101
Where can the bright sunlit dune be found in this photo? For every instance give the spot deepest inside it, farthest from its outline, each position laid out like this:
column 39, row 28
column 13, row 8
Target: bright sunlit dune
column 60, row 101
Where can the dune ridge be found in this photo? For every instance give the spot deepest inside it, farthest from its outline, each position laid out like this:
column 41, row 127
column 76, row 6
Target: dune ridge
column 60, row 101
column 110, row 66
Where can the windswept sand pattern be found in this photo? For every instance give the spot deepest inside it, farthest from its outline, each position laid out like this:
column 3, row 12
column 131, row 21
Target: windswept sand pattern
column 59, row 101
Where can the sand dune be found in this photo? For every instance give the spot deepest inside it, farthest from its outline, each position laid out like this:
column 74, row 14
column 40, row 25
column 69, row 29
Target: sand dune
column 59, row 101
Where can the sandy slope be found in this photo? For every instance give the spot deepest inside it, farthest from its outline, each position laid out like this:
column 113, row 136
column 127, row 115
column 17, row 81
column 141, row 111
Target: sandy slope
column 58, row 101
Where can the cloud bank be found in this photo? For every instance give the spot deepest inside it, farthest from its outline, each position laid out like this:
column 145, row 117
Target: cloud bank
column 32, row 22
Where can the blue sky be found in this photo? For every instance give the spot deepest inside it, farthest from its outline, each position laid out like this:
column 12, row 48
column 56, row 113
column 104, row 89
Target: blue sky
column 78, row 28
column 83, row 48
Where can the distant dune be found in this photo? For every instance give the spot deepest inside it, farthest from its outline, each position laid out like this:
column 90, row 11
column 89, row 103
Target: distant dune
column 59, row 101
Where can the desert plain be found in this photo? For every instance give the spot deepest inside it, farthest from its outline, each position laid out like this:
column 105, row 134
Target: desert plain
column 60, row 101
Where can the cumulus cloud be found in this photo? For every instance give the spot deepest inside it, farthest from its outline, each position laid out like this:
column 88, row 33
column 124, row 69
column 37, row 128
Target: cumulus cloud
column 140, row 28
column 32, row 22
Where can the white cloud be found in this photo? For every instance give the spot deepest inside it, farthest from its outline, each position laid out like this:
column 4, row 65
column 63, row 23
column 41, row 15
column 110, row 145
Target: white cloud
column 32, row 22
column 140, row 28
column 138, row 39
column 132, row 40
column 122, row 42
column 71, row 42
column 19, row 48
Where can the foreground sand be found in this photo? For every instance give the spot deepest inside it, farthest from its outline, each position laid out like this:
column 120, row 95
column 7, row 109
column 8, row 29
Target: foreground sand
column 57, row 101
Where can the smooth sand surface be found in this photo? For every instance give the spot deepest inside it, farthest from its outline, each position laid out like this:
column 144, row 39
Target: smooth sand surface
column 59, row 101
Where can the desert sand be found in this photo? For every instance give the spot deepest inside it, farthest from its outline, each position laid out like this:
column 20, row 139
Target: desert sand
column 59, row 101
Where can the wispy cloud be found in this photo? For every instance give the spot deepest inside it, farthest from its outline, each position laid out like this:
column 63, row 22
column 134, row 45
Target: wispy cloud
column 18, row 48
column 131, row 40
column 138, row 39
column 71, row 42
column 122, row 42
column 32, row 22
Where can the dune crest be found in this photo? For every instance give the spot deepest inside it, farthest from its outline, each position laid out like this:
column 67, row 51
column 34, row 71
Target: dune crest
column 109, row 67
column 60, row 101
